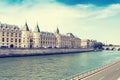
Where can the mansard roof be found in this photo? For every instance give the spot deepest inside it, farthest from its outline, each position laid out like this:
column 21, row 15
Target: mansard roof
column 8, row 27
column 70, row 34
column 47, row 33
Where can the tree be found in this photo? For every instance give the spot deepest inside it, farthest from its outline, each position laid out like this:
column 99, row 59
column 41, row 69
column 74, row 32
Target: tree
column 110, row 44
column 98, row 45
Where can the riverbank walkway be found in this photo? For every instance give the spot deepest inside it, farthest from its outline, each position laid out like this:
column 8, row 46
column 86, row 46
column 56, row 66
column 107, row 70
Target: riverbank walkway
column 107, row 72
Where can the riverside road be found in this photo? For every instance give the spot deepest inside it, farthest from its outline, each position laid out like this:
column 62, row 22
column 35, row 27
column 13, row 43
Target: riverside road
column 110, row 73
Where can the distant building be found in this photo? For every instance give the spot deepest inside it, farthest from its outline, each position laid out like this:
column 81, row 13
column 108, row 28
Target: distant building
column 14, row 37
column 48, row 40
column 84, row 44
column 87, row 43
column 67, row 41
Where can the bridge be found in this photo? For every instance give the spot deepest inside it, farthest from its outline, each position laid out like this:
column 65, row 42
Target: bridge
column 114, row 47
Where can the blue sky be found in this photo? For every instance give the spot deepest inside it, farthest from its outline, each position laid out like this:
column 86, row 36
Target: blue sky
column 87, row 19
column 94, row 2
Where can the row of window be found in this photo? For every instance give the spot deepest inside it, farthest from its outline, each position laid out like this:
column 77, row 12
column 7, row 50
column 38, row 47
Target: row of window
column 10, row 40
column 10, row 30
column 9, row 44
column 52, row 39
column 11, row 34
column 47, row 38
column 43, row 42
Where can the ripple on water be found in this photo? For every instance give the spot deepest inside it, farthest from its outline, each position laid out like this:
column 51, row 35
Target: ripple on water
column 53, row 67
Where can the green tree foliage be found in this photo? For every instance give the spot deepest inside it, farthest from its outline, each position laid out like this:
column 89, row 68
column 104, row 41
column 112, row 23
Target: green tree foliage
column 98, row 45
column 110, row 44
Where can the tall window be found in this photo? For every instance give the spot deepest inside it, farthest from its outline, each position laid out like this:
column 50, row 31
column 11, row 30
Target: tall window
column 11, row 39
column 19, row 35
column 15, row 34
column 11, row 34
column 3, row 40
column 7, row 34
column 15, row 40
column 7, row 39
column 3, row 34
column 19, row 40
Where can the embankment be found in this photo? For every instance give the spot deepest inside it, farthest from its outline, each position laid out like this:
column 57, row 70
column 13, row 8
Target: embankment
column 32, row 52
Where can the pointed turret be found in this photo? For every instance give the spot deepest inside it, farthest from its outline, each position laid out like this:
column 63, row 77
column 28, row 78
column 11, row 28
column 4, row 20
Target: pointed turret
column 26, row 25
column 26, row 28
column 37, row 29
column 57, row 31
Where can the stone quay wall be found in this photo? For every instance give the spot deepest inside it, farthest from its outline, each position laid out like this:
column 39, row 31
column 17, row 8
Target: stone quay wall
column 32, row 52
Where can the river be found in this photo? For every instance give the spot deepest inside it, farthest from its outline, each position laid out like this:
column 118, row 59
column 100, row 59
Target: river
column 53, row 67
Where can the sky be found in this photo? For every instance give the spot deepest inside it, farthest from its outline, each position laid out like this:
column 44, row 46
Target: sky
column 87, row 19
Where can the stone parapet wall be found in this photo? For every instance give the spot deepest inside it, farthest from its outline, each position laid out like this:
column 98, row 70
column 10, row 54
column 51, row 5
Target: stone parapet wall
column 29, row 52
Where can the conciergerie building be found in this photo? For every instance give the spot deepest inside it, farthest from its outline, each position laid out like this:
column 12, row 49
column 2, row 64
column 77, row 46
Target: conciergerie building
column 11, row 36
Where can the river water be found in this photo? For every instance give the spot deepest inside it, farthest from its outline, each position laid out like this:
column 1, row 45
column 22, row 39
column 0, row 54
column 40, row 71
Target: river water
column 53, row 67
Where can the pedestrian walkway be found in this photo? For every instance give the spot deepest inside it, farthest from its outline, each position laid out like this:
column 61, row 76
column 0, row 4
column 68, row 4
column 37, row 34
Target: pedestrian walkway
column 107, row 72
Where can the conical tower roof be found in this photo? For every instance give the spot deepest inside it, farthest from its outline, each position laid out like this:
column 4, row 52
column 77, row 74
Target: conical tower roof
column 26, row 28
column 57, row 31
column 37, row 29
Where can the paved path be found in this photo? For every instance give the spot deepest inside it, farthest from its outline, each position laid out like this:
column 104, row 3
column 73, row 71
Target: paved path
column 110, row 73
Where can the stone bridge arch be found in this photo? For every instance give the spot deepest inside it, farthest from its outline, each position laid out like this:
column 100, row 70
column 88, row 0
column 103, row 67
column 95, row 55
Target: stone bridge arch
column 111, row 48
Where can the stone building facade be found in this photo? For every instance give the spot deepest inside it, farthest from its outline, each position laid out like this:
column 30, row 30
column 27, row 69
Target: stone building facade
column 14, row 37
column 87, row 43
column 25, row 36
column 67, row 41
column 35, row 38
column 10, row 36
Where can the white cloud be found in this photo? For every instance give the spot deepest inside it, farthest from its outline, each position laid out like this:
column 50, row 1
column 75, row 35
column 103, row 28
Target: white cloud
column 48, row 15
column 79, row 19
column 108, row 12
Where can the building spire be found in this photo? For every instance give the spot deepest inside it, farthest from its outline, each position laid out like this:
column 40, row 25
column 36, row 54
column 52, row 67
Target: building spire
column 37, row 29
column 26, row 28
column 57, row 31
